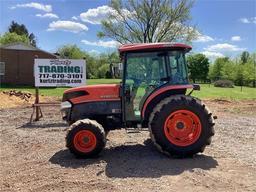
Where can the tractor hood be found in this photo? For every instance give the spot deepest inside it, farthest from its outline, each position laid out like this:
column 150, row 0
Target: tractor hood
column 92, row 93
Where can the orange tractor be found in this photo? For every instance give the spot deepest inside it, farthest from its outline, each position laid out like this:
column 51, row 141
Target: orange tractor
column 153, row 94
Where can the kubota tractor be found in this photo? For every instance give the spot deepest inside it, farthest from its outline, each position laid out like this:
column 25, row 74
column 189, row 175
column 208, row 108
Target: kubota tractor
column 153, row 94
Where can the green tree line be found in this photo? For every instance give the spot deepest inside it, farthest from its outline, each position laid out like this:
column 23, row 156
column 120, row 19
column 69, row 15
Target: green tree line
column 241, row 70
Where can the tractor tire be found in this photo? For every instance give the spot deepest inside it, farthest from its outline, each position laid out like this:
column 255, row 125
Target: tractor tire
column 181, row 126
column 85, row 138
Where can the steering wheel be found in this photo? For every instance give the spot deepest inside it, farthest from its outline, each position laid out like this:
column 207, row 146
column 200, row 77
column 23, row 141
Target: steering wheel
column 177, row 78
column 136, row 81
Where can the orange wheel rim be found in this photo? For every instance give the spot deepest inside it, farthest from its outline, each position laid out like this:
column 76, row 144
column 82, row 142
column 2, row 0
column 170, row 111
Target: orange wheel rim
column 85, row 141
column 182, row 128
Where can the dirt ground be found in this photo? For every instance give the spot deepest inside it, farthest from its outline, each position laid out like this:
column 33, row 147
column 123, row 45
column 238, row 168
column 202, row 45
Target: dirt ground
column 13, row 101
column 34, row 157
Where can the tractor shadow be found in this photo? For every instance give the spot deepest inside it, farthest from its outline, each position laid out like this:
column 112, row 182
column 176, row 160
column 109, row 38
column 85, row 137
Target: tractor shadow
column 135, row 161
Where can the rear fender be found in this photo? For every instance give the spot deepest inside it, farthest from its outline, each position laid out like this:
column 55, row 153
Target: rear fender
column 158, row 95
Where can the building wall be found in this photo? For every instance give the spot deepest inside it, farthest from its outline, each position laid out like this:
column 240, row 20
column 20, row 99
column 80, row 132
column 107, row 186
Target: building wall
column 19, row 65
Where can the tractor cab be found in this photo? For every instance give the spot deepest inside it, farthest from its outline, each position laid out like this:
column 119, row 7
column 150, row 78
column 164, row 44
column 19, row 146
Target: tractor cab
column 147, row 68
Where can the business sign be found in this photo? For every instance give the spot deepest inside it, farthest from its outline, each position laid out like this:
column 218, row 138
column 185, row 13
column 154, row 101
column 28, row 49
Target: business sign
column 59, row 72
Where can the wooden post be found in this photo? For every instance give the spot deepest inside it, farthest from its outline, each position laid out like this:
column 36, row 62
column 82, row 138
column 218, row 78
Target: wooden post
column 37, row 97
column 36, row 102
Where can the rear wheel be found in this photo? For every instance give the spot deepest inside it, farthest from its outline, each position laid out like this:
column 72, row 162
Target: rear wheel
column 181, row 126
column 85, row 138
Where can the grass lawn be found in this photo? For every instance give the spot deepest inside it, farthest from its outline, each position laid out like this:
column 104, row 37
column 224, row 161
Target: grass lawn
column 212, row 92
column 205, row 93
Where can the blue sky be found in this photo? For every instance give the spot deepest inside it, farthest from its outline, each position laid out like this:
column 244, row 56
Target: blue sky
column 227, row 27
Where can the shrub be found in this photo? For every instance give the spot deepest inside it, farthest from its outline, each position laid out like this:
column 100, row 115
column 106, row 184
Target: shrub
column 102, row 71
column 224, row 83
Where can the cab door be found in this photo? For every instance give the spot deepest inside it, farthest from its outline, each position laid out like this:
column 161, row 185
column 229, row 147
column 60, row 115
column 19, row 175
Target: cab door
column 144, row 72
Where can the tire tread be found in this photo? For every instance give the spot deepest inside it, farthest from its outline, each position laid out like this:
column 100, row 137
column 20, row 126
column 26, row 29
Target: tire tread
column 186, row 100
column 81, row 124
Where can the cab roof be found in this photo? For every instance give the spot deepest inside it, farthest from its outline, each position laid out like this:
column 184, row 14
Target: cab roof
column 152, row 46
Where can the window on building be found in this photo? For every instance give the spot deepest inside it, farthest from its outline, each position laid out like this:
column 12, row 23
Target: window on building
column 2, row 68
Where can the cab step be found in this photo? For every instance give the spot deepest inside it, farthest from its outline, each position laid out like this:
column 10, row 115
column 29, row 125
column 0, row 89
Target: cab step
column 135, row 130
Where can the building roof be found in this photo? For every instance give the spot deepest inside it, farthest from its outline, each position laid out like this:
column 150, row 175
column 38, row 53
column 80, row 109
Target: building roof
column 150, row 46
column 23, row 46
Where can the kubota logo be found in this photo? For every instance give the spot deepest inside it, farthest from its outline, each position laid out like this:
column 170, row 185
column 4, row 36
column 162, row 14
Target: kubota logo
column 108, row 96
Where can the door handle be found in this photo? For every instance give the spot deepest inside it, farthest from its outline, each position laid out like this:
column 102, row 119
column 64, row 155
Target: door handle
column 128, row 94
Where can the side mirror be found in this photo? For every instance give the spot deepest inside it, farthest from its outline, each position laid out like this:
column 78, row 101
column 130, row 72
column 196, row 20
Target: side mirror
column 196, row 87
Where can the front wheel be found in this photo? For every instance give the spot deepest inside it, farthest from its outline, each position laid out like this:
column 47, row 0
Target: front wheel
column 85, row 138
column 181, row 126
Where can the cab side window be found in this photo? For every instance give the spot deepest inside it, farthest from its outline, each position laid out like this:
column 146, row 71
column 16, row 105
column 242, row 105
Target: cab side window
column 178, row 68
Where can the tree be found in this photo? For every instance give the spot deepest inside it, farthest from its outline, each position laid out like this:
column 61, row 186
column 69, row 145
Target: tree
column 8, row 38
column 250, row 70
column 149, row 21
column 20, row 29
column 239, row 76
column 103, row 71
column 91, row 67
column 245, row 57
column 198, row 65
column 228, row 70
column 107, row 60
column 71, row 52
column 253, row 59
column 216, row 71
column 74, row 52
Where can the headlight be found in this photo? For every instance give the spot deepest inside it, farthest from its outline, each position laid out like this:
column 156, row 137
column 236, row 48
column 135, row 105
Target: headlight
column 65, row 105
